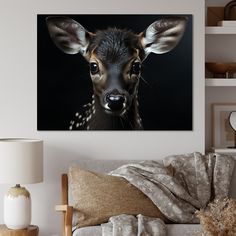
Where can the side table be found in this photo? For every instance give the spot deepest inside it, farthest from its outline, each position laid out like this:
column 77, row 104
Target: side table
column 32, row 230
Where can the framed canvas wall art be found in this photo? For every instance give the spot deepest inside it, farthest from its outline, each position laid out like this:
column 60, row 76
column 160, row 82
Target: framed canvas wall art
column 114, row 72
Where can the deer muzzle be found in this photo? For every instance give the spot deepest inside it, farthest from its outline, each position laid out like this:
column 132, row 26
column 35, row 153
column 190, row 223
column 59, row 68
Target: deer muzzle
column 115, row 103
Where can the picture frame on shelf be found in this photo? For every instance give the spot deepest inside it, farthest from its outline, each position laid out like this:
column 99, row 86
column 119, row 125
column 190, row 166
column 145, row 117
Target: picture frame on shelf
column 222, row 132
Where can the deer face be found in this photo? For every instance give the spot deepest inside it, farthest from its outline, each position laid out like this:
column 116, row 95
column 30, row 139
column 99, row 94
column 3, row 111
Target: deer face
column 115, row 56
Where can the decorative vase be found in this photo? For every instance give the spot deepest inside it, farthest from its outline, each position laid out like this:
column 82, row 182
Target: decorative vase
column 17, row 208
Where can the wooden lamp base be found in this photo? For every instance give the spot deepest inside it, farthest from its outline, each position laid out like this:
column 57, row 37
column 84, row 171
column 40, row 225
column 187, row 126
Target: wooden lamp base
column 32, row 230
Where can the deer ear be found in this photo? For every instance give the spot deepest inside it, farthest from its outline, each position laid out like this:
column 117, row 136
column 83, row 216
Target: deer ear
column 68, row 35
column 163, row 35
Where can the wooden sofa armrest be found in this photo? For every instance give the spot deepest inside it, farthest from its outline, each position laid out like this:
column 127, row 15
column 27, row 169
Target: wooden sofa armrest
column 67, row 212
column 61, row 208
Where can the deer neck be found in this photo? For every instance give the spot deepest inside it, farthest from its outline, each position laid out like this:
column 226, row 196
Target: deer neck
column 100, row 120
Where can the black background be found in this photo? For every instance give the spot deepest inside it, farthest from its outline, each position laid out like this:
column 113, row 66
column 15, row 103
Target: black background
column 64, row 85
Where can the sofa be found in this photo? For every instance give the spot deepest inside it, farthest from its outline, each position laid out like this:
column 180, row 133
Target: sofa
column 104, row 166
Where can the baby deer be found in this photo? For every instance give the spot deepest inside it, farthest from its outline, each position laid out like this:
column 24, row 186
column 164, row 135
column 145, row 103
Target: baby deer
column 115, row 57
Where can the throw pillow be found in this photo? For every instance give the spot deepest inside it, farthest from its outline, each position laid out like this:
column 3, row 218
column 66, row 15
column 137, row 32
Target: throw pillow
column 98, row 196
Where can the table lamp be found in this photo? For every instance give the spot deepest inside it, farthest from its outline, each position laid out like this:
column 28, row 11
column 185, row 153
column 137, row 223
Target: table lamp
column 21, row 162
column 232, row 122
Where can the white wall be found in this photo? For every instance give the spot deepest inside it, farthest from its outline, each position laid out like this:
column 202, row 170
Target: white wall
column 18, row 80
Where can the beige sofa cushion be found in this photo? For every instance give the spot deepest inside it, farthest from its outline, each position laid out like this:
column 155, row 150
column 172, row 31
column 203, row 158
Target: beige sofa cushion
column 98, row 196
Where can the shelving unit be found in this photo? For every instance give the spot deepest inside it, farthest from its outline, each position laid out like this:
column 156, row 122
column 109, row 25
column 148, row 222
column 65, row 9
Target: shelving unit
column 220, row 47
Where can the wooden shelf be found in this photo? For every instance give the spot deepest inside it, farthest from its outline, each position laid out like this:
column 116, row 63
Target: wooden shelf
column 220, row 82
column 230, row 151
column 220, row 30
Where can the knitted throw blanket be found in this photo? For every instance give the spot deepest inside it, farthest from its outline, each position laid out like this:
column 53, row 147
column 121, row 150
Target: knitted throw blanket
column 178, row 186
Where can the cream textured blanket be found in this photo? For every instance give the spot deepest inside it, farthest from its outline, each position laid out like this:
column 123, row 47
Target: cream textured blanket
column 178, row 186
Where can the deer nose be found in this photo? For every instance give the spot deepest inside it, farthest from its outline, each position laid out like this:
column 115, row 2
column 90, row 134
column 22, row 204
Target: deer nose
column 115, row 101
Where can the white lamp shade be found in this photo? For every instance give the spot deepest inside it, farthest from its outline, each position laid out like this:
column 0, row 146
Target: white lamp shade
column 21, row 161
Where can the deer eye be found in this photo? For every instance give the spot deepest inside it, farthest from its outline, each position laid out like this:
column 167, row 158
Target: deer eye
column 94, row 69
column 136, row 68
